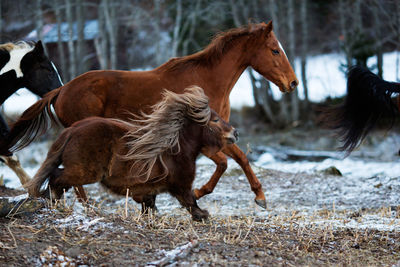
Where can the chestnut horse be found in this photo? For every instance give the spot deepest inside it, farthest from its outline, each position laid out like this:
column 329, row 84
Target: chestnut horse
column 118, row 93
column 368, row 99
column 147, row 157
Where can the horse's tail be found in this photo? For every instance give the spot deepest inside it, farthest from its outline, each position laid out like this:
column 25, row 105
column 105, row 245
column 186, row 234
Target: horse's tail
column 32, row 123
column 368, row 99
column 53, row 160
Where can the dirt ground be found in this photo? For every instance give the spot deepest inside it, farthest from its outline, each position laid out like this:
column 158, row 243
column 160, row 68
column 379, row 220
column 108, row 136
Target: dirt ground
column 109, row 233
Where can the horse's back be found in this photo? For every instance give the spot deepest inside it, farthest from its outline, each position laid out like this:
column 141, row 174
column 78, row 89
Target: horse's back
column 107, row 94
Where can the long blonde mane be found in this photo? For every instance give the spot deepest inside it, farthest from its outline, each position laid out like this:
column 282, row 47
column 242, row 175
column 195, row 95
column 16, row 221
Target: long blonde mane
column 158, row 132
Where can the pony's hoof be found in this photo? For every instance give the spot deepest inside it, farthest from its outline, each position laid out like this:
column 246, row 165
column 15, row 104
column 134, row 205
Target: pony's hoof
column 200, row 215
column 261, row 202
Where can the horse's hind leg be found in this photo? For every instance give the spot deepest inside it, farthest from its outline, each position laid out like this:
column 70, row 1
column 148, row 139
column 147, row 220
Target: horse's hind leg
column 148, row 203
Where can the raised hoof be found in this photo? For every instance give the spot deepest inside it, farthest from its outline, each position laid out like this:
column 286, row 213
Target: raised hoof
column 261, row 202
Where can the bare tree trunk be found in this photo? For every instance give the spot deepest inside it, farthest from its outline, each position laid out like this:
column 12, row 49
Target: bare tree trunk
column 110, row 18
column 344, row 32
column 261, row 99
column 1, row 25
column 284, row 116
column 60, row 47
column 101, row 43
column 80, row 25
column 378, row 42
column 292, row 52
column 39, row 23
column 192, row 27
column 71, row 47
column 177, row 28
column 304, row 49
column 398, row 39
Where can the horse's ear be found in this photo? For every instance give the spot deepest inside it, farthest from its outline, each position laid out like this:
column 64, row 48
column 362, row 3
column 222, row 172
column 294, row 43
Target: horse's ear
column 39, row 48
column 269, row 27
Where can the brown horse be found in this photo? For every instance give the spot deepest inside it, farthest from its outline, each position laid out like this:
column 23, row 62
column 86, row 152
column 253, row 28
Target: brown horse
column 118, row 93
column 150, row 156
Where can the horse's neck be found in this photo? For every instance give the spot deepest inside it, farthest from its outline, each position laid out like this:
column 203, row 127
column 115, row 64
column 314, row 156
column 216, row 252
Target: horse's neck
column 9, row 84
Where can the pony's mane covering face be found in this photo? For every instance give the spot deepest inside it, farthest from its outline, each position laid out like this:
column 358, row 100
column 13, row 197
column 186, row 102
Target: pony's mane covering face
column 155, row 133
column 222, row 42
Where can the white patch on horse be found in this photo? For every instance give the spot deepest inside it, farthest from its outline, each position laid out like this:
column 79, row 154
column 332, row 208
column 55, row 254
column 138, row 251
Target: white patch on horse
column 14, row 63
column 58, row 75
column 281, row 47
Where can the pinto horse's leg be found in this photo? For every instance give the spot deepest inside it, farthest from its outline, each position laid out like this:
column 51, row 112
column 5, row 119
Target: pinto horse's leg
column 221, row 162
column 14, row 164
column 234, row 152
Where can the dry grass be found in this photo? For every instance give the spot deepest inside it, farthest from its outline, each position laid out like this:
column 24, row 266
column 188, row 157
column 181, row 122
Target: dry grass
column 96, row 236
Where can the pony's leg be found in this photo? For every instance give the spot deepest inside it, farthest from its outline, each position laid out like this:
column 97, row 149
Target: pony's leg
column 80, row 193
column 188, row 200
column 234, row 152
column 149, row 204
column 221, row 162
column 14, row 164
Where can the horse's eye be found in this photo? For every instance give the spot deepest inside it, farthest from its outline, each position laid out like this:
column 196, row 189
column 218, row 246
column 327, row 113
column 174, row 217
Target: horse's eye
column 275, row 51
column 215, row 120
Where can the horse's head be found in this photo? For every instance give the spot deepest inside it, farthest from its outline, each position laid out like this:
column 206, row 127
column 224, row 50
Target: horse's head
column 39, row 73
column 269, row 58
column 217, row 134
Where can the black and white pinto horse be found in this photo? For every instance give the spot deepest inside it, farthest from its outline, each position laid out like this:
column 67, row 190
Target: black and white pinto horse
column 368, row 99
column 22, row 65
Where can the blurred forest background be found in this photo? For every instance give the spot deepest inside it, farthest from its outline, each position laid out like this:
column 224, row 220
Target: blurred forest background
column 81, row 35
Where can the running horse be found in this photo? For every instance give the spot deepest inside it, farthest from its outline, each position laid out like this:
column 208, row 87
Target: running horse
column 368, row 99
column 108, row 93
column 140, row 158
column 24, row 64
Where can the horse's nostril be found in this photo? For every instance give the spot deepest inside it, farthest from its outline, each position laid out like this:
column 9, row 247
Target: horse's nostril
column 293, row 84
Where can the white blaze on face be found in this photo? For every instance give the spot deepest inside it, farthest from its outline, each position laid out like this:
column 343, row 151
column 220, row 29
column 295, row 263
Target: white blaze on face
column 58, row 75
column 281, row 47
column 14, row 63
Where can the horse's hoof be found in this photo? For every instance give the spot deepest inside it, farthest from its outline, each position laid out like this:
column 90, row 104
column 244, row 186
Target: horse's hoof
column 261, row 202
column 200, row 215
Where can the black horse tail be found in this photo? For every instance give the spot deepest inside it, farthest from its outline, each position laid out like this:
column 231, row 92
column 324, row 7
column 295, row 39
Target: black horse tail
column 49, row 166
column 368, row 99
column 32, row 123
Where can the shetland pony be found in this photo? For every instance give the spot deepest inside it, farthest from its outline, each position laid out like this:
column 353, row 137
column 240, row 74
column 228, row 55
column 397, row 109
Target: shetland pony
column 216, row 69
column 150, row 156
column 24, row 65
column 368, row 99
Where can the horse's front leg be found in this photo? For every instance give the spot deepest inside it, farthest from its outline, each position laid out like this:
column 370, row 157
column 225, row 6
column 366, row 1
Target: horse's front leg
column 188, row 200
column 221, row 162
column 234, row 152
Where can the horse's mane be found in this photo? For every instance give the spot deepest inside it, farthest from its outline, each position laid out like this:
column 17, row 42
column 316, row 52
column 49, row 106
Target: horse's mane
column 16, row 45
column 153, row 134
column 222, row 42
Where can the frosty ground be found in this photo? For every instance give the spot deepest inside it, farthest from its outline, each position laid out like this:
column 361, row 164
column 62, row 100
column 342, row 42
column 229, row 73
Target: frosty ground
column 312, row 218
